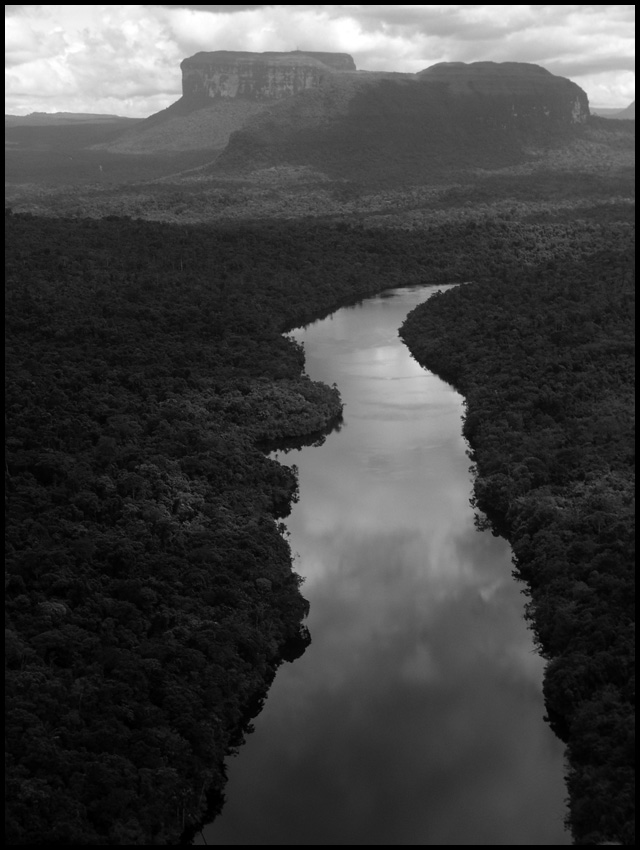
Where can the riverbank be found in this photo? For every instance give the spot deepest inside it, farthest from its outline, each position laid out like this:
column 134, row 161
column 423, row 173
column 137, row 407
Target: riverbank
column 544, row 359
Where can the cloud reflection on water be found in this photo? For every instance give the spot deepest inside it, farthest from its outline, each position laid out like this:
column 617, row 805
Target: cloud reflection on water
column 415, row 716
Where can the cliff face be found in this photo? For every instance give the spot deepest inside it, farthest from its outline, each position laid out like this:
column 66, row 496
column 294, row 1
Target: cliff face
column 408, row 128
column 530, row 91
column 224, row 74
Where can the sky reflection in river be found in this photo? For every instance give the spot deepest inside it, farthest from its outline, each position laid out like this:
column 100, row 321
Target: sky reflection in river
column 415, row 716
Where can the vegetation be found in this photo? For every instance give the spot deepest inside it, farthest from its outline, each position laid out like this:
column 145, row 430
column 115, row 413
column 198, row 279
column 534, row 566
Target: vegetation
column 51, row 174
column 150, row 596
column 69, row 154
column 149, row 590
column 545, row 359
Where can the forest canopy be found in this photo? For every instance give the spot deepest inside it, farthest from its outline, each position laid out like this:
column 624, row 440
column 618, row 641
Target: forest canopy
column 149, row 590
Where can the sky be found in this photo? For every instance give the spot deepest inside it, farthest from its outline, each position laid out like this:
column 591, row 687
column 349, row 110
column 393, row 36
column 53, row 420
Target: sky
column 125, row 59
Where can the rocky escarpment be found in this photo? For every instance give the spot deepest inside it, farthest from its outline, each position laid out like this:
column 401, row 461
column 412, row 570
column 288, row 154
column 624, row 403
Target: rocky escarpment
column 408, row 128
column 222, row 90
column 530, row 91
column 225, row 74
column 315, row 109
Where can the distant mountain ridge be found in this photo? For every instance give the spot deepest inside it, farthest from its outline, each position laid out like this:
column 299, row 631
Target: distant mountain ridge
column 54, row 119
column 628, row 113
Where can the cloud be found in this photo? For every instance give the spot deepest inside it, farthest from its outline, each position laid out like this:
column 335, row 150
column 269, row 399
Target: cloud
column 23, row 41
column 86, row 59
column 282, row 28
column 215, row 9
column 579, row 67
column 79, row 58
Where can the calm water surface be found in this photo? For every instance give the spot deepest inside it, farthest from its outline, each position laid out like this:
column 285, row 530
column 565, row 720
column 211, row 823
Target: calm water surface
column 415, row 716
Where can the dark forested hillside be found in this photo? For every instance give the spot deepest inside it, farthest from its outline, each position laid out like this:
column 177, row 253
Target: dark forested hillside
column 545, row 359
column 149, row 589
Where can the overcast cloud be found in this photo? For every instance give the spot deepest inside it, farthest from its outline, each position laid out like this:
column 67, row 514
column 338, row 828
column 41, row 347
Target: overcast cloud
column 125, row 59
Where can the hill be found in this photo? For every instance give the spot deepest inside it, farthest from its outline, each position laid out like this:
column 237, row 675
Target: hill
column 189, row 124
column 51, row 119
column 412, row 128
column 629, row 113
column 626, row 114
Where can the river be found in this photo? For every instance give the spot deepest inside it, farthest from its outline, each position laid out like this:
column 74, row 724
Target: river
column 416, row 715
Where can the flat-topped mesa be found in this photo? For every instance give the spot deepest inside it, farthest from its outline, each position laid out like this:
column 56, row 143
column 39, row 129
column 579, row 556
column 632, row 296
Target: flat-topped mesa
column 227, row 74
column 533, row 91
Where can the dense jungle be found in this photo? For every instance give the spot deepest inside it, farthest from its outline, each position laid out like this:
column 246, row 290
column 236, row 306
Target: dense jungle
column 150, row 595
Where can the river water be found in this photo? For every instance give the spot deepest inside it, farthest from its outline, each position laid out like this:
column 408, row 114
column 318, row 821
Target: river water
column 416, row 715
